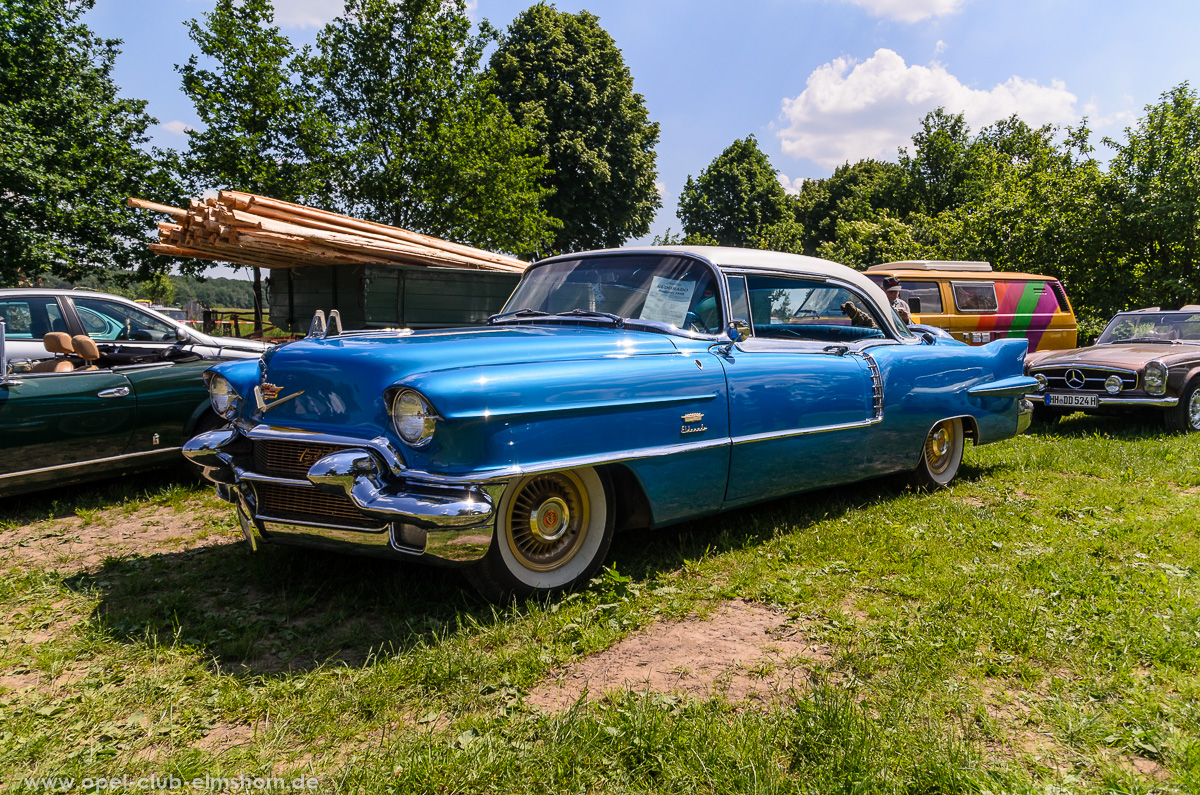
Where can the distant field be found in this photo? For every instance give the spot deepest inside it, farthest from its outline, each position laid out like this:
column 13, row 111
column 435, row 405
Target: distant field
column 1034, row 629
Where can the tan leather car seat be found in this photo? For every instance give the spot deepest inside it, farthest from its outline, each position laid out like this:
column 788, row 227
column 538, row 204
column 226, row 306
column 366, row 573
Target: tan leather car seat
column 85, row 348
column 57, row 342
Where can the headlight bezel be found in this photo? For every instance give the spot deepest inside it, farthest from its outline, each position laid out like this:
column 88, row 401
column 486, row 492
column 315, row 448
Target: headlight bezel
column 1154, row 377
column 222, row 396
column 405, row 420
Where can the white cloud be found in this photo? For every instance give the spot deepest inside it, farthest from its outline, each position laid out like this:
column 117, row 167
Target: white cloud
column 1099, row 121
column 940, row 47
column 909, row 10
column 177, row 127
column 849, row 111
column 790, row 186
column 661, row 187
column 305, row 13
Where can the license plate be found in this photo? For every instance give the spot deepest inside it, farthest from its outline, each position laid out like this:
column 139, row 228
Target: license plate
column 1072, row 401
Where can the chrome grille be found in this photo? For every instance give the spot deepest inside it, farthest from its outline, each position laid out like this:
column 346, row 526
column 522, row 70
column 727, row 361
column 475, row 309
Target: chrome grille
column 288, row 459
column 1093, row 378
column 303, row 504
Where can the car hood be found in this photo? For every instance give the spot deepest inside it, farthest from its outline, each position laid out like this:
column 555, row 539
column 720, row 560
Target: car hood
column 343, row 378
column 1129, row 356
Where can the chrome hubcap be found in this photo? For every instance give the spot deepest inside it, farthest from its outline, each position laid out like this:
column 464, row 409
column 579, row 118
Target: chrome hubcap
column 938, row 447
column 550, row 521
column 1194, row 410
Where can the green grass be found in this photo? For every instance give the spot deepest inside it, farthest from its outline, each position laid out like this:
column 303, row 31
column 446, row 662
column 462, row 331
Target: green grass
column 1035, row 628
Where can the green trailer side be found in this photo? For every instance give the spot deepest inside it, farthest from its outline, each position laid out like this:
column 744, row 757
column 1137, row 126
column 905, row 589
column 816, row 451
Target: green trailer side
column 388, row 296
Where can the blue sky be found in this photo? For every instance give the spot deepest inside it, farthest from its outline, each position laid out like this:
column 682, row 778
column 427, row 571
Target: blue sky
column 818, row 82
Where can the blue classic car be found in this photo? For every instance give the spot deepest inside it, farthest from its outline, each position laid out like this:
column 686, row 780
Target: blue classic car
column 618, row 389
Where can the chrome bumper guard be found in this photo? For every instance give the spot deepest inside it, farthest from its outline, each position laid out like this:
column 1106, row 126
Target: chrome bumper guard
column 448, row 524
column 1024, row 415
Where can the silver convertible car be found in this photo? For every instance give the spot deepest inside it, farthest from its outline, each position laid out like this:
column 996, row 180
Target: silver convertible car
column 618, row 390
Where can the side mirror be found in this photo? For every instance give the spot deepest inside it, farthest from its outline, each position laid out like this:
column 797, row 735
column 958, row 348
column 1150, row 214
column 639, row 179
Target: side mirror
column 738, row 330
column 914, row 305
column 181, row 335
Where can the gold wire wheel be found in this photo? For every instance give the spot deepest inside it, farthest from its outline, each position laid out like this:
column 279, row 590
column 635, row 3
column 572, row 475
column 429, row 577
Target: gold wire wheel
column 547, row 520
column 939, row 447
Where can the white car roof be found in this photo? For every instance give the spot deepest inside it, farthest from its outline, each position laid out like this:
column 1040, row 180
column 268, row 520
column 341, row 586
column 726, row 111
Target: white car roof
column 758, row 259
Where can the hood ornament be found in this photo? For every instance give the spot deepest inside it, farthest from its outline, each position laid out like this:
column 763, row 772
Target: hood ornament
column 265, row 391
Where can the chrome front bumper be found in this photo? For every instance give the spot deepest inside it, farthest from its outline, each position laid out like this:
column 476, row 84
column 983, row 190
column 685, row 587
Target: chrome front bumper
column 442, row 523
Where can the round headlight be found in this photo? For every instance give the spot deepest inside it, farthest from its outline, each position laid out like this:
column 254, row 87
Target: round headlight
column 1041, row 379
column 412, row 417
column 1112, row 385
column 224, row 399
column 1154, row 377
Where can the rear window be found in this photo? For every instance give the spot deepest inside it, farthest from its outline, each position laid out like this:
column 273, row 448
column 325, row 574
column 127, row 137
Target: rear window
column 974, row 296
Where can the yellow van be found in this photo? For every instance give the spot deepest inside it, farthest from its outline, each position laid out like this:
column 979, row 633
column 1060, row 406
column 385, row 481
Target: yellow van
column 977, row 304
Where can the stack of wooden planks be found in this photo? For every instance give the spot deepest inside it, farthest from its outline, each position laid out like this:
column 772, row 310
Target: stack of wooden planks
column 257, row 231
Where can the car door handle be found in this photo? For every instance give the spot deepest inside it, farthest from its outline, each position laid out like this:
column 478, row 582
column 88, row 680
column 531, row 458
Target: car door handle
column 115, row 392
column 836, row 350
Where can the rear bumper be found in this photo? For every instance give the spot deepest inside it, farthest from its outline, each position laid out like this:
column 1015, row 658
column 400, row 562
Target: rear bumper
column 350, row 501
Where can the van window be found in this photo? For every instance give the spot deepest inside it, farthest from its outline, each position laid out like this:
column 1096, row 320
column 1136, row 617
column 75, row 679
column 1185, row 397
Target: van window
column 1061, row 296
column 974, row 296
column 928, row 295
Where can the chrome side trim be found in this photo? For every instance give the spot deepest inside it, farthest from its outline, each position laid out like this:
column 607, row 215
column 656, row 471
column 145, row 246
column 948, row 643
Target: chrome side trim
column 515, row 470
column 876, row 383
column 761, row 437
column 591, row 406
column 1116, row 400
column 59, row 467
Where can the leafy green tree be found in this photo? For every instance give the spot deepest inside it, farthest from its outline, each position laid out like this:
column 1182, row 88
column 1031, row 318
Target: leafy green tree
column 1157, row 177
column 940, row 164
column 159, row 289
column 736, row 199
column 865, row 191
column 71, row 149
column 563, row 76
column 415, row 129
column 259, row 124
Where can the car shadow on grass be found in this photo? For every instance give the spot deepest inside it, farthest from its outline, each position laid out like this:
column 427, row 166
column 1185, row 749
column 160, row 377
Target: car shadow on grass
column 284, row 610
column 66, row 501
column 278, row 610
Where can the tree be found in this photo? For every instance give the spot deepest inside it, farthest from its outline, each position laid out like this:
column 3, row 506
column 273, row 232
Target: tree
column 413, row 119
column 563, row 76
column 736, row 199
column 71, row 149
column 939, row 166
column 259, row 124
column 159, row 289
column 863, row 192
column 1157, row 177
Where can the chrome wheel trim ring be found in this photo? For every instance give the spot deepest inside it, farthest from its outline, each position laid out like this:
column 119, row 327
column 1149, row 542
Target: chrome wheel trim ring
column 939, row 447
column 1194, row 410
column 547, row 520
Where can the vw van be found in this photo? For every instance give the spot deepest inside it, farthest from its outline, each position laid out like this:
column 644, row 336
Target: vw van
column 976, row 304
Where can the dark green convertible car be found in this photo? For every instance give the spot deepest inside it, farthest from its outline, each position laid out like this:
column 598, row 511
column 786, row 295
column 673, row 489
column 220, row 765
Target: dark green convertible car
column 116, row 389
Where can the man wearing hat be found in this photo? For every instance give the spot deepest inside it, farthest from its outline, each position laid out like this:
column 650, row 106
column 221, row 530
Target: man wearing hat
column 891, row 286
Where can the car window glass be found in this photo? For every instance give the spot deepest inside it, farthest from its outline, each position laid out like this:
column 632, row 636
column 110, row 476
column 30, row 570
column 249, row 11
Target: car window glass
column 31, row 318
column 974, row 296
column 739, row 301
column 676, row 291
column 802, row 309
column 927, row 295
column 1184, row 327
column 108, row 320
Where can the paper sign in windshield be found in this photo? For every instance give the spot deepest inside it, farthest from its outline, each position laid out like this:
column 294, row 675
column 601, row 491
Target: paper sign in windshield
column 668, row 300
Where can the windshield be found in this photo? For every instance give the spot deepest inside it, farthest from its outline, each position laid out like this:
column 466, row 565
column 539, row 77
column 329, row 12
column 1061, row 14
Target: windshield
column 1153, row 327
column 672, row 290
